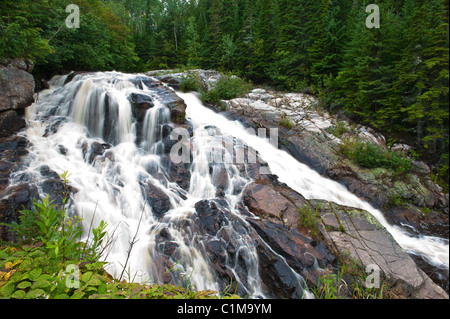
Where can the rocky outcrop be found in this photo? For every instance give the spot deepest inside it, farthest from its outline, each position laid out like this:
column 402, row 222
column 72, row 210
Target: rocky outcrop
column 16, row 93
column 359, row 234
column 13, row 196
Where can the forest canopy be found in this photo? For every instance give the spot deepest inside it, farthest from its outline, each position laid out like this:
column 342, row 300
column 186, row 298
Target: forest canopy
column 394, row 78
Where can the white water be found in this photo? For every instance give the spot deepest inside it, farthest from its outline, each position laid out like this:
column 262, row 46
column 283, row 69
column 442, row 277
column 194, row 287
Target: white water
column 110, row 188
column 311, row 185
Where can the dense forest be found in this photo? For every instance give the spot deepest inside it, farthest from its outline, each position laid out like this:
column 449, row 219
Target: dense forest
column 394, row 78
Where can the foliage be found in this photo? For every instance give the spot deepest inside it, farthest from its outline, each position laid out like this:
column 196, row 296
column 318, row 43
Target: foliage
column 226, row 88
column 190, row 82
column 348, row 282
column 309, row 218
column 36, row 30
column 27, row 272
column 370, row 155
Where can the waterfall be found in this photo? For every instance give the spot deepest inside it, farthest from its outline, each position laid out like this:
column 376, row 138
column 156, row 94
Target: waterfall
column 120, row 169
column 310, row 184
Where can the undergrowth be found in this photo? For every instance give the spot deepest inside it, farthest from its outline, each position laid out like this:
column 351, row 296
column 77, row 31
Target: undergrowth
column 370, row 155
column 226, row 88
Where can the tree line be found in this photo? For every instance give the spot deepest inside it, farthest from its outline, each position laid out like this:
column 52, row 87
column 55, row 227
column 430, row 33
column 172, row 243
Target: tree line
column 394, row 78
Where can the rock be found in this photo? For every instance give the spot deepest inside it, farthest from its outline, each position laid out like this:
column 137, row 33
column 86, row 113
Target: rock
column 10, row 122
column 12, row 201
column 19, row 64
column 158, row 200
column 303, row 255
column 16, row 88
column 356, row 232
column 140, row 104
column 421, row 167
column 266, row 201
column 90, row 152
column 179, row 173
column 172, row 80
column 210, row 216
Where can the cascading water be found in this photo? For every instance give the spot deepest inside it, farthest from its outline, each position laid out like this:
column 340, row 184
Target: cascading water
column 120, row 169
column 93, row 113
column 310, row 184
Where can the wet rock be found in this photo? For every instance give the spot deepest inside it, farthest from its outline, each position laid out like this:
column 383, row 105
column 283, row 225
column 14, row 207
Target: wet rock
column 303, row 255
column 220, row 179
column 140, row 104
column 278, row 279
column 12, row 201
column 210, row 216
column 179, row 173
column 10, row 123
column 90, row 152
column 158, row 200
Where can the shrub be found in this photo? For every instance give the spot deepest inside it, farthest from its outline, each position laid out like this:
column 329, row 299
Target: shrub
column 190, row 82
column 370, row 155
column 226, row 88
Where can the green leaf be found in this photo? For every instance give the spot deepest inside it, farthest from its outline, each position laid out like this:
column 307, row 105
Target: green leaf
column 62, row 296
column 35, row 293
column 19, row 294
column 94, row 281
column 41, row 284
column 86, row 276
column 78, row 295
column 24, row 284
column 7, row 289
column 35, row 273
column 25, row 264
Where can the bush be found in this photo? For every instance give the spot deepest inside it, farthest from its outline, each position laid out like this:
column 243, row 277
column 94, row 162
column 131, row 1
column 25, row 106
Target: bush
column 370, row 155
column 226, row 88
column 190, row 82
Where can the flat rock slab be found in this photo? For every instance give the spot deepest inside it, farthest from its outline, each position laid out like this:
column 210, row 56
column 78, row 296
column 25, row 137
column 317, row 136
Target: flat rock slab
column 358, row 233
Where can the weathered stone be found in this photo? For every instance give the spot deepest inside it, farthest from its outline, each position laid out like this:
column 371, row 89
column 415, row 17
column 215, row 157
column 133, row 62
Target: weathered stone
column 158, row 200
column 10, row 122
column 140, row 104
column 16, row 88
column 356, row 232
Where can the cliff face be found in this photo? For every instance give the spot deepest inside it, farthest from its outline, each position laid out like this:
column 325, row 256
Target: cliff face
column 16, row 93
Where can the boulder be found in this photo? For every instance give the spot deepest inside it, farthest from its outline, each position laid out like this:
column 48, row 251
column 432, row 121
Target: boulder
column 16, row 88
column 12, row 200
column 157, row 199
column 279, row 204
column 10, row 123
column 140, row 104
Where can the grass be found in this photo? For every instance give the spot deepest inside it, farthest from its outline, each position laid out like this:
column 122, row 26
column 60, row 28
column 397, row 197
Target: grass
column 309, row 218
column 349, row 282
column 285, row 122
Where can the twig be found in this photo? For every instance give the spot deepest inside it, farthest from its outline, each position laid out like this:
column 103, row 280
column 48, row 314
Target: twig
column 132, row 243
column 57, row 31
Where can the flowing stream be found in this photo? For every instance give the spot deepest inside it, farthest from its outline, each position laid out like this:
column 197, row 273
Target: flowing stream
column 94, row 110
